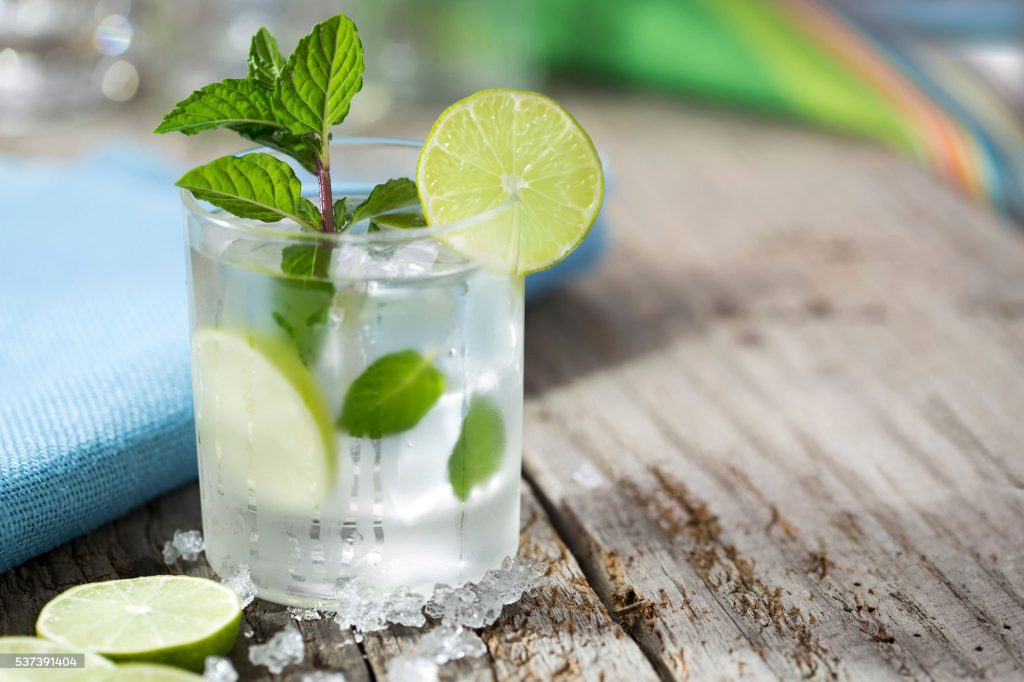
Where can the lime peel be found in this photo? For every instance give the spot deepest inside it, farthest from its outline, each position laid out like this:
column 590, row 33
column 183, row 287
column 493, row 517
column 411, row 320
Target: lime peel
column 174, row 619
column 517, row 149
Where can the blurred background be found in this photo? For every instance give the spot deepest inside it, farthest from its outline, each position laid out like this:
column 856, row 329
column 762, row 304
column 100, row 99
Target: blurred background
column 75, row 72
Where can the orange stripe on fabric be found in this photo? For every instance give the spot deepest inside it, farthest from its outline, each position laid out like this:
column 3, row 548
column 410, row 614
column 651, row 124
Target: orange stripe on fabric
column 949, row 151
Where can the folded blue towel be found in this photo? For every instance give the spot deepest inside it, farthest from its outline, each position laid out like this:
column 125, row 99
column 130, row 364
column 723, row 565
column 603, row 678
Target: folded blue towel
column 95, row 391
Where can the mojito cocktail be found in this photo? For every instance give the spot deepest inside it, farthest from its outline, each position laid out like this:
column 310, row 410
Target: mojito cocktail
column 357, row 323
column 419, row 483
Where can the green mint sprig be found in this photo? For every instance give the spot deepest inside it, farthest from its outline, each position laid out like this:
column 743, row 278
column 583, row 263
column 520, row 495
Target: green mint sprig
column 290, row 106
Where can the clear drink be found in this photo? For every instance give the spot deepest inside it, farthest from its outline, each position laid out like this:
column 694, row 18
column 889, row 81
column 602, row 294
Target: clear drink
column 304, row 496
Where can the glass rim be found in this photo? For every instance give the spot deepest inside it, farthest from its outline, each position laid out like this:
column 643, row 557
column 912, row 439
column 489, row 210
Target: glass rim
column 272, row 231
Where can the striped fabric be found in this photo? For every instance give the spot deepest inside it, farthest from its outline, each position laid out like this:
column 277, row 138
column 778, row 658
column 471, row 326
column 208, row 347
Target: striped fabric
column 807, row 60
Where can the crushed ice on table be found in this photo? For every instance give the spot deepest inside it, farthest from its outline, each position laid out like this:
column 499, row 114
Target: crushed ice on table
column 186, row 544
column 247, row 630
column 479, row 604
column 321, row 676
column 241, row 582
column 473, row 605
column 367, row 609
column 219, row 669
column 283, row 649
column 589, row 476
column 304, row 614
column 412, row 668
column 450, row 643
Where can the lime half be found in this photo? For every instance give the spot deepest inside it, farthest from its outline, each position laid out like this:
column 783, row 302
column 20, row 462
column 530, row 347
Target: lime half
column 92, row 669
column 519, row 150
column 173, row 619
column 260, row 412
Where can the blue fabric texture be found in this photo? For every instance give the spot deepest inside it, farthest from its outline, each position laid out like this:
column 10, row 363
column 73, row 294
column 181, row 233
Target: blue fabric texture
column 95, row 390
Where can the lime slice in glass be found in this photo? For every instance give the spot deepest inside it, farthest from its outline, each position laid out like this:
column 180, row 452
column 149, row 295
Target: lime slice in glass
column 91, row 671
column 174, row 619
column 260, row 411
column 148, row 672
column 520, row 149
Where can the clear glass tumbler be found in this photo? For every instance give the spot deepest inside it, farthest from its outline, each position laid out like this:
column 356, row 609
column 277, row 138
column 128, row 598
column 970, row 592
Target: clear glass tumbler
column 362, row 419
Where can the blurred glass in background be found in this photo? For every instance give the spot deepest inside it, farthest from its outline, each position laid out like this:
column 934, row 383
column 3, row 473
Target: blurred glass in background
column 63, row 59
column 66, row 60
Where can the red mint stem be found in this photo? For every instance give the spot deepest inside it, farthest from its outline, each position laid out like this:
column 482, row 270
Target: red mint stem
column 323, row 175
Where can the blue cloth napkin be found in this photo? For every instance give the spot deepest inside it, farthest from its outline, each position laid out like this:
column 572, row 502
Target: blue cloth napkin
column 95, row 390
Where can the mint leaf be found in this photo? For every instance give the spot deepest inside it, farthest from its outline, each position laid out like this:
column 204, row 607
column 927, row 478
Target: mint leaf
column 389, row 196
column 316, row 87
column 309, row 213
column 232, row 102
column 257, row 186
column 302, row 149
column 478, row 451
column 340, row 212
column 306, row 260
column 301, row 304
column 265, row 59
column 392, row 395
column 399, row 221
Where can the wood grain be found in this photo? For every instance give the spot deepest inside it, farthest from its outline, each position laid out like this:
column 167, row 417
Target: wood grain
column 800, row 377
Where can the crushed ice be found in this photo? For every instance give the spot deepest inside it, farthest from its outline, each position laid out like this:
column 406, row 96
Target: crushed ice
column 304, row 614
column 450, row 643
column 241, row 582
column 412, row 668
column 186, row 544
column 479, row 604
column 283, row 649
column 588, row 476
column 367, row 609
column 219, row 669
column 473, row 605
column 321, row 676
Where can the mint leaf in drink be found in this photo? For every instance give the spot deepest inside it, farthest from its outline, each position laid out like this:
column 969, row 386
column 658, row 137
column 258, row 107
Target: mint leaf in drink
column 265, row 59
column 392, row 395
column 302, row 301
column 478, row 451
column 388, row 196
column 320, row 79
column 306, row 260
column 309, row 212
column 257, row 186
column 231, row 102
column 400, row 221
column 340, row 212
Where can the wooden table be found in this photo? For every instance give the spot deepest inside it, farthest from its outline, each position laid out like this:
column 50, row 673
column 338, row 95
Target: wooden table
column 777, row 435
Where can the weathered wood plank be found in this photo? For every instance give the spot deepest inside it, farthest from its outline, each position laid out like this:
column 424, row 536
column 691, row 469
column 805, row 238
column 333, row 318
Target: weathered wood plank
column 798, row 377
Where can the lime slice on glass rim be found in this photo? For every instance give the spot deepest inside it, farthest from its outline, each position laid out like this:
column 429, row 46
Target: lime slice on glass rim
column 93, row 665
column 518, row 150
column 174, row 619
column 262, row 413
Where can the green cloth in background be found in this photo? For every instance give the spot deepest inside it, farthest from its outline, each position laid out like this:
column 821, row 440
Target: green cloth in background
column 741, row 52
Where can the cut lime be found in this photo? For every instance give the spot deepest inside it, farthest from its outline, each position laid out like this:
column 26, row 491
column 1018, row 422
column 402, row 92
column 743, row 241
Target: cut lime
column 91, row 670
column 261, row 413
column 517, row 148
column 148, row 672
column 173, row 619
